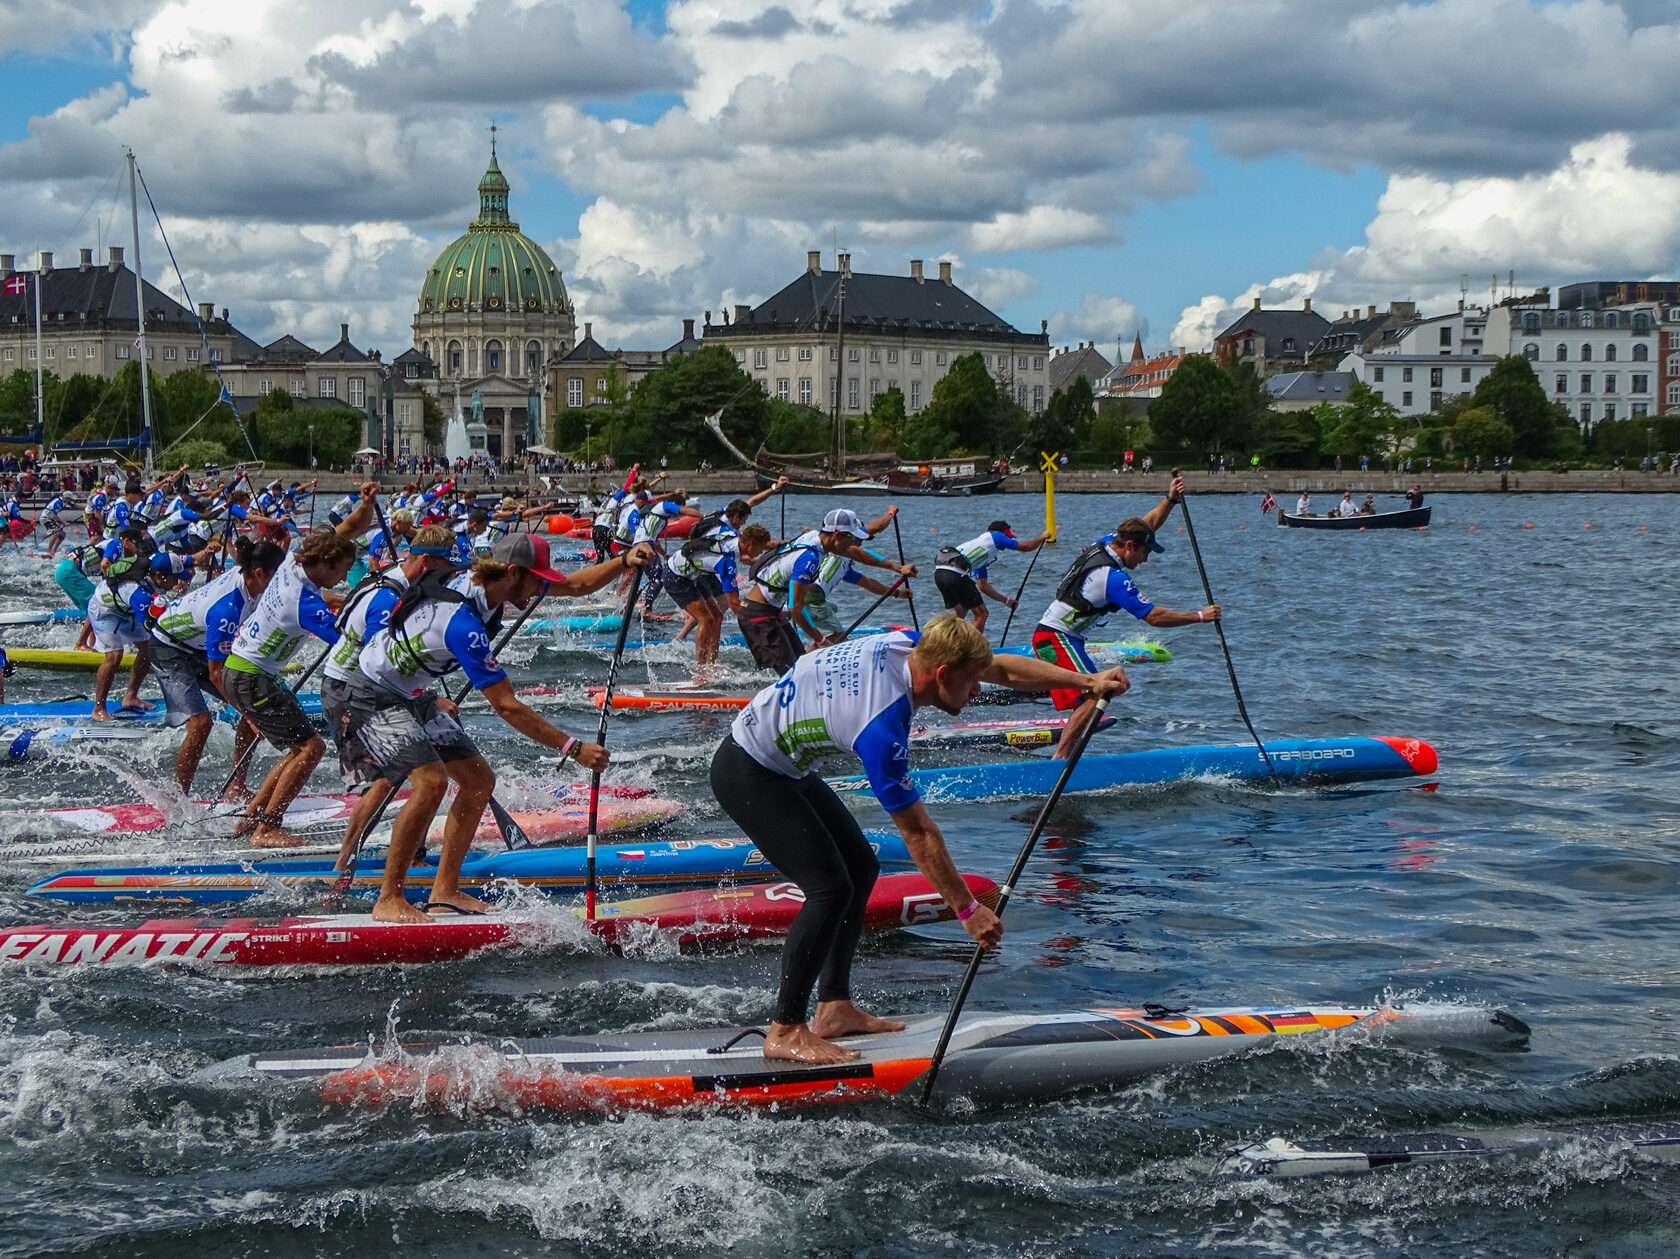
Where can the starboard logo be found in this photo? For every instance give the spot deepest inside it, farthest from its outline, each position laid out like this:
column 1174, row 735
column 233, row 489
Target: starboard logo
column 1316, row 754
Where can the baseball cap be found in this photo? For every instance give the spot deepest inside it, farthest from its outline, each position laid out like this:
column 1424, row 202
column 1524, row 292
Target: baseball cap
column 1134, row 530
column 1001, row 526
column 843, row 520
column 527, row 551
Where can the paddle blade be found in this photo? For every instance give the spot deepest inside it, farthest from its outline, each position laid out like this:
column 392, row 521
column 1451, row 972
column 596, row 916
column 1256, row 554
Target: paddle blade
column 513, row 834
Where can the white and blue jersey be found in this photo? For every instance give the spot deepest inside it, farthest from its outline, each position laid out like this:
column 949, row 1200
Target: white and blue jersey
column 1107, row 590
column 118, row 514
column 97, row 502
column 654, row 521
column 435, row 640
column 289, row 611
column 853, row 698
column 364, row 616
column 122, row 610
column 49, row 513
column 979, row 553
column 173, row 527
column 152, row 505
column 207, row 619
column 720, row 564
column 172, row 563
column 775, row 580
column 111, row 550
column 342, row 509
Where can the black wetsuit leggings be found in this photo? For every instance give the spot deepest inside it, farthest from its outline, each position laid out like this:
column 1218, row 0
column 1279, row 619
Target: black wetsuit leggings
column 803, row 829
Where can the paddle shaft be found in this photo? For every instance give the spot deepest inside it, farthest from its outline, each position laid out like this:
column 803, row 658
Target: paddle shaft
column 1004, row 892
column 342, row 883
column 899, row 538
column 1219, row 627
column 601, row 738
column 850, row 629
column 1019, row 590
column 251, row 751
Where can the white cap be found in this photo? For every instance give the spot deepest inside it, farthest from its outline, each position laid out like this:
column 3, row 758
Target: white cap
column 843, row 520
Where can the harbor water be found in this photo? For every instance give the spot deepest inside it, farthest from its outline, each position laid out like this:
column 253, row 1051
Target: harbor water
column 1529, row 639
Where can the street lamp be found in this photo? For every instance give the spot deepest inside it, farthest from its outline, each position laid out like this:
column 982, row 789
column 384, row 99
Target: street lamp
column 312, row 448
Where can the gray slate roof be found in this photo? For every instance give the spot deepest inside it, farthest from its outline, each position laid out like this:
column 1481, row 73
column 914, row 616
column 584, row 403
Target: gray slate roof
column 588, row 350
column 288, row 349
column 343, row 352
column 873, row 302
column 1306, row 327
column 1088, row 363
column 1311, row 386
column 72, row 296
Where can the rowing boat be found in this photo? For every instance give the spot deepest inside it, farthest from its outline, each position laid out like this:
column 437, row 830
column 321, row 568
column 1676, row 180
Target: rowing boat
column 664, row 863
column 993, row 1058
column 1350, row 759
column 1408, row 518
column 700, row 916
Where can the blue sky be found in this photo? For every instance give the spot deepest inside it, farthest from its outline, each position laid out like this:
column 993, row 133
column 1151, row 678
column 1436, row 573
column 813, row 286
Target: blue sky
column 1104, row 164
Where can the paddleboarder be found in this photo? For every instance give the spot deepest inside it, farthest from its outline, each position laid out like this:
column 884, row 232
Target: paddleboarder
column 960, row 571
column 713, row 561
column 190, row 644
column 1096, row 585
column 289, row 610
column 856, row 698
column 410, row 731
column 117, row 612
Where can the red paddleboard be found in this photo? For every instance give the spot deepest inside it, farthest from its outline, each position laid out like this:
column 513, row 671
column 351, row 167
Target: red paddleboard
column 674, row 700
column 754, row 911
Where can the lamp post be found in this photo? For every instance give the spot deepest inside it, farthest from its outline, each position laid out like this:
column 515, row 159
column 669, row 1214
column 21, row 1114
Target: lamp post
column 312, row 448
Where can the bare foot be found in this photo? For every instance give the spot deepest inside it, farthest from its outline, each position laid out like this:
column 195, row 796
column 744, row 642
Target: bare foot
column 100, row 713
column 795, row 1042
column 135, row 704
column 841, row 1018
column 276, row 837
column 396, row 909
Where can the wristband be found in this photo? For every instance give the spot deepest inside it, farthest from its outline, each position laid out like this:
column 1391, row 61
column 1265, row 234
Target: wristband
column 567, row 747
column 1200, row 617
column 967, row 911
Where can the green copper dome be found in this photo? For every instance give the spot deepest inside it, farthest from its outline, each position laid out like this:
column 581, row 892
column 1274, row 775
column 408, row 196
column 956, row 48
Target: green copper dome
column 494, row 267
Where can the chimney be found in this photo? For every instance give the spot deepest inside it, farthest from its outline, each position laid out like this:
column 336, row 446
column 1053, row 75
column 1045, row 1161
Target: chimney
column 1306, row 304
column 8, row 263
column 813, row 261
column 206, row 311
column 688, row 330
column 708, row 319
column 343, row 332
column 225, row 315
column 1257, row 303
column 916, row 270
column 1461, row 303
column 845, row 263
column 944, row 273
column 46, row 260
column 741, row 312
column 1370, row 312
column 588, row 331
column 116, row 258
column 87, row 259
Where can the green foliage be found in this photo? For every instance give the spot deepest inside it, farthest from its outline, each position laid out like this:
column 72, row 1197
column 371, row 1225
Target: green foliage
column 195, row 452
column 795, row 429
column 1293, row 439
column 282, row 432
column 665, row 414
column 887, row 409
column 1480, row 431
column 1065, row 423
column 434, row 424
column 575, row 424
column 924, row 436
column 1513, row 391
column 1365, row 425
column 1206, row 408
column 967, row 405
column 1636, row 437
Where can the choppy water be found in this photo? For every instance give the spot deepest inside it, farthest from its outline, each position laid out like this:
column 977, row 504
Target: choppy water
column 1540, row 876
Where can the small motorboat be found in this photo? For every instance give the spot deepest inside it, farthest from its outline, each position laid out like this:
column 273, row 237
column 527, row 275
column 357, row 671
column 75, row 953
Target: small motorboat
column 1406, row 518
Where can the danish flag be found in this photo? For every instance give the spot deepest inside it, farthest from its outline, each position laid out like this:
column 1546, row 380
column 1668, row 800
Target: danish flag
column 16, row 284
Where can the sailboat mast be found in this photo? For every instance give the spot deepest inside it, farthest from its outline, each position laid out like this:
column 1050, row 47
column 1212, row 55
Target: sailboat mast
column 140, row 319
column 40, row 391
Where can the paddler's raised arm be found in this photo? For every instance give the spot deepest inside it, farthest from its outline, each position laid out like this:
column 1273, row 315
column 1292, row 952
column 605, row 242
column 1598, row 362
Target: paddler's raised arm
column 1029, row 673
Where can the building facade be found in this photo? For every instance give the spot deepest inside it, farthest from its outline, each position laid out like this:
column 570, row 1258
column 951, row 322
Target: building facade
column 1602, row 363
column 493, row 312
column 1134, row 384
column 1271, row 341
column 899, row 332
column 88, row 323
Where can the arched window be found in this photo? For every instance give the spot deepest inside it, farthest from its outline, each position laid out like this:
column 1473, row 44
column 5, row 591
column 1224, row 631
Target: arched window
column 426, row 348
column 1531, row 352
column 1674, row 364
column 1563, row 319
column 1586, row 353
column 1563, row 353
column 1641, row 321
column 1531, row 321
column 1612, row 319
column 492, row 356
column 1610, row 353
column 455, row 358
column 1641, row 352
column 1586, row 319
column 533, row 357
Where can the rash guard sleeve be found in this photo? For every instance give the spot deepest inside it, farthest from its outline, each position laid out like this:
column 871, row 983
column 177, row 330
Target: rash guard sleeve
column 469, row 642
column 884, row 748
column 315, row 616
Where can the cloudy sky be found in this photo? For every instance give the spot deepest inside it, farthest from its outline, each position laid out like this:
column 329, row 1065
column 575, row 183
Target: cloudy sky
column 1112, row 166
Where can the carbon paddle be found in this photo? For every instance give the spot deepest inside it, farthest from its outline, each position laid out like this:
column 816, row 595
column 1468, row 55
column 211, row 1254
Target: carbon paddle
column 1219, row 627
column 899, row 538
column 1004, row 892
column 1019, row 590
column 601, row 739
column 887, row 594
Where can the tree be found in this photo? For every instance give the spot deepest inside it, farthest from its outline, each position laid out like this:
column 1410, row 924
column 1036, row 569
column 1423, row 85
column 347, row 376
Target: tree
column 1052, row 428
column 923, row 436
column 1201, row 408
column 1480, row 431
column 434, row 425
column 967, row 404
column 1513, row 391
column 1292, row 439
column 667, row 411
column 795, row 429
column 1365, row 425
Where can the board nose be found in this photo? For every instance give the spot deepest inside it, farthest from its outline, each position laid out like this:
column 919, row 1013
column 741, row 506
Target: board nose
column 1416, row 753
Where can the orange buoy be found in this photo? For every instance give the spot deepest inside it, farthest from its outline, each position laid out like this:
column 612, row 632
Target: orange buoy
column 1642, row 528
column 1472, row 528
column 1528, row 526
column 561, row 524
column 1586, row 526
column 1242, row 526
column 553, row 524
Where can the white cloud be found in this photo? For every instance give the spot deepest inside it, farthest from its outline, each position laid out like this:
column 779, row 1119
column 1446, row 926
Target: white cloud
column 1107, row 320
column 1042, row 227
column 1199, row 324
